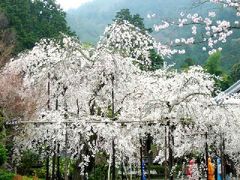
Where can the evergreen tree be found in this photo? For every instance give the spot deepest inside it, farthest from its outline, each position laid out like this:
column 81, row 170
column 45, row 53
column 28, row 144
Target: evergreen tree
column 187, row 63
column 34, row 20
column 124, row 14
column 213, row 66
column 156, row 59
column 7, row 39
column 135, row 19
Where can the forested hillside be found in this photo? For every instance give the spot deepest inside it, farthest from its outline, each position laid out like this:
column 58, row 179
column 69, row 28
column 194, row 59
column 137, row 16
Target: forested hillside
column 25, row 22
column 89, row 22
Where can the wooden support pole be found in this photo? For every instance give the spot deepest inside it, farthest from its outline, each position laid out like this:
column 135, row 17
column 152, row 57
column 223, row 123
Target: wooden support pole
column 148, row 147
column 113, row 143
column 165, row 155
column 206, row 153
column 58, row 162
column 122, row 170
column 47, row 164
column 113, row 161
column 141, row 159
column 66, row 160
column 222, row 148
column 170, row 151
column 48, row 92
column 78, row 108
column 54, row 161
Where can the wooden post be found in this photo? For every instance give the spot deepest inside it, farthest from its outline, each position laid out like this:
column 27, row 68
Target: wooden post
column 66, row 134
column 78, row 109
column 223, row 157
column 66, row 161
column 113, row 161
column 141, row 159
column 148, row 147
column 170, row 146
column 113, row 143
column 48, row 91
column 122, row 170
column 165, row 155
column 48, row 106
column 53, row 161
column 58, row 176
column 58, row 162
column 47, row 165
column 56, row 104
column 206, row 151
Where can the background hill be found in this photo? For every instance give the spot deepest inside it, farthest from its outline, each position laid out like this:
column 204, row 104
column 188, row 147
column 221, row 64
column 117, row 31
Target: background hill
column 90, row 20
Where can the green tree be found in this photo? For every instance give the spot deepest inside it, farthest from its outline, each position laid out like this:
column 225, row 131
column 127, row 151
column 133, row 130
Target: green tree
column 187, row 63
column 123, row 14
column 213, row 66
column 156, row 60
column 135, row 19
column 226, row 81
column 34, row 20
column 29, row 160
column 7, row 39
column 235, row 72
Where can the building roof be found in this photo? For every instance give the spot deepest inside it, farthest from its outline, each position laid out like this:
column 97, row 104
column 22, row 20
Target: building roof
column 235, row 88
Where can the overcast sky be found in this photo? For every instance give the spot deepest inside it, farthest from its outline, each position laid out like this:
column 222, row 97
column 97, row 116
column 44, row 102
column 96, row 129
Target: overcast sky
column 70, row 4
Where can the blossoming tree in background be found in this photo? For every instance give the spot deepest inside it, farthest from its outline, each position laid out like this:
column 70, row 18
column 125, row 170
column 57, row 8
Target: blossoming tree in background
column 208, row 30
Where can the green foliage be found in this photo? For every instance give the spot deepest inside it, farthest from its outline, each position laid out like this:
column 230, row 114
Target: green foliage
column 3, row 154
column 187, row 63
column 213, row 64
column 87, row 45
column 99, row 169
column 40, row 172
column 235, row 72
column 157, row 60
column 29, row 159
column 2, row 133
column 7, row 39
column 158, row 168
column 100, row 172
column 3, row 150
column 136, row 19
column 5, row 175
column 34, row 20
column 124, row 14
column 225, row 81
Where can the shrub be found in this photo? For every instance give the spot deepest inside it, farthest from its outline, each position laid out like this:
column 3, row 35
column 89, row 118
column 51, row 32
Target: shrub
column 3, row 154
column 29, row 159
column 5, row 175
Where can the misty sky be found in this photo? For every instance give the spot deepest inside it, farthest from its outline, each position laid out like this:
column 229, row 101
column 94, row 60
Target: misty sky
column 71, row 4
